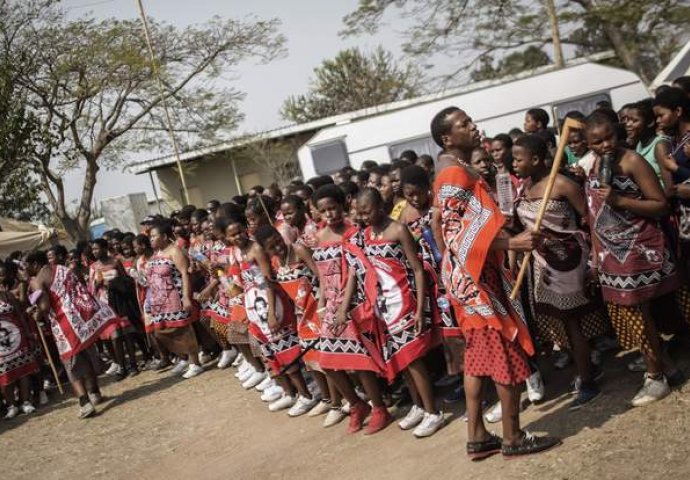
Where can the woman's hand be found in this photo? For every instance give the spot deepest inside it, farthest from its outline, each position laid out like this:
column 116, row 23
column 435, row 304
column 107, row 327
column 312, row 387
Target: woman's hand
column 187, row 304
column 525, row 241
column 610, row 197
column 418, row 322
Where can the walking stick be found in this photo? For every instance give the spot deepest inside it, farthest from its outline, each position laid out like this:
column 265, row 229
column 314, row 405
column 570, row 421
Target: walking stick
column 33, row 299
column 50, row 359
column 569, row 124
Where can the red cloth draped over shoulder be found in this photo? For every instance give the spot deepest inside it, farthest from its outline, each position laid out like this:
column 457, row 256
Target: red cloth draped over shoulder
column 473, row 274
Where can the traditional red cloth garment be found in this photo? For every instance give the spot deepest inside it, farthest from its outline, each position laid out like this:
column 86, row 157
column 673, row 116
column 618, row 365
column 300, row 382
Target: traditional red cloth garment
column 165, row 306
column 632, row 253
column 78, row 318
column 476, row 282
column 228, row 304
column 99, row 271
column 359, row 345
column 297, row 281
column 278, row 349
column 396, row 305
column 17, row 358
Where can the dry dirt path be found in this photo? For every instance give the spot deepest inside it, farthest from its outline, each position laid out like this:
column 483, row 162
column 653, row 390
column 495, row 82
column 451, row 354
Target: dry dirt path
column 156, row 427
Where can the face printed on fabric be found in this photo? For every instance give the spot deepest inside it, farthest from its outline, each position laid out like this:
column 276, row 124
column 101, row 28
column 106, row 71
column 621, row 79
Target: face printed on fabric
column 416, row 196
column 463, row 132
column 602, row 139
column 261, row 308
column 330, row 211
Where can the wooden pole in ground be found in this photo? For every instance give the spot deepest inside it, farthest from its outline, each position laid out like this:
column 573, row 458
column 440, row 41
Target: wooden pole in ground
column 50, row 359
column 569, row 124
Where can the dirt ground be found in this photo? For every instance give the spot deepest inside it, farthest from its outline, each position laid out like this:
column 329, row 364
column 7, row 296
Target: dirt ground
column 156, row 427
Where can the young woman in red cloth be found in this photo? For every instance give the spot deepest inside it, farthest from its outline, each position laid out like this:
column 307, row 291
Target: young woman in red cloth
column 351, row 333
column 296, row 225
column 403, row 304
column 170, row 306
column 108, row 282
column 295, row 273
column 498, row 341
column 272, row 321
column 17, row 361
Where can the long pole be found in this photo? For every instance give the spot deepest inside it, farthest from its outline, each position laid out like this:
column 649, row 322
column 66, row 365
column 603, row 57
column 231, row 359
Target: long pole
column 568, row 125
column 555, row 34
column 168, row 120
column 49, row 358
column 155, row 193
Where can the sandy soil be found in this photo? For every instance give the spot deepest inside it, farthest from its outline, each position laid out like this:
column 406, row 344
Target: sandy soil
column 156, row 427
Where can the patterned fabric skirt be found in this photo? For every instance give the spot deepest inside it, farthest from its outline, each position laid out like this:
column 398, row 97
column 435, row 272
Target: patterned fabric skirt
column 221, row 330
column 489, row 354
column 552, row 330
column 280, row 352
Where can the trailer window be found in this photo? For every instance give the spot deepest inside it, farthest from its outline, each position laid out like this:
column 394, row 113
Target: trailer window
column 585, row 105
column 329, row 157
column 421, row 146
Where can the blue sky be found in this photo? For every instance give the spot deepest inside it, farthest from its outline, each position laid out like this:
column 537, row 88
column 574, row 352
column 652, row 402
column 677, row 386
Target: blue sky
column 310, row 26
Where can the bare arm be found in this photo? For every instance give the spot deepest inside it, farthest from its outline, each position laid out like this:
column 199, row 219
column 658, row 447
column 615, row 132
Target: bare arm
column 436, row 230
column 662, row 152
column 572, row 192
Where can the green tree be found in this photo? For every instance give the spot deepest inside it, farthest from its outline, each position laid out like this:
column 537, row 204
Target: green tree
column 20, row 194
column 351, row 81
column 91, row 87
column 643, row 33
column 532, row 57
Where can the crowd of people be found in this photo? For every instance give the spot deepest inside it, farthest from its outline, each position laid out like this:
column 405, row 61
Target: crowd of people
column 344, row 294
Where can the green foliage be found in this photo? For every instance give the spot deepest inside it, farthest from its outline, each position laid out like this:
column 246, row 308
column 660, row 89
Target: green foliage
column 644, row 33
column 351, row 81
column 91, row 87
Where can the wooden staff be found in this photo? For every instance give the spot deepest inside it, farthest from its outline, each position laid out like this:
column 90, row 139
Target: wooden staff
column 50, row 359
column 569, row 124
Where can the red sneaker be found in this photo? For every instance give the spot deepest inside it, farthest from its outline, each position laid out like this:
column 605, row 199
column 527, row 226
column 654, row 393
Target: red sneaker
column 379, row 420
column 358, row 413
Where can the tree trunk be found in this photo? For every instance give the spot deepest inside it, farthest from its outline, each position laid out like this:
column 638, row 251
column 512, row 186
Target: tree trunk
column 74, row 228
column 555, row 34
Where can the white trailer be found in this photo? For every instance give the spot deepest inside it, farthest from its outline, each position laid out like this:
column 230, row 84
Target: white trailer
column 381, row 133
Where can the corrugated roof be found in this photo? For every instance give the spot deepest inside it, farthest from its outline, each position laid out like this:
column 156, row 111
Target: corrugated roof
column 290, row 130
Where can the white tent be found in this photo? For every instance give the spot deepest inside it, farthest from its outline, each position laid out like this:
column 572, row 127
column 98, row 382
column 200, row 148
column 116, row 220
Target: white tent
column 17, row 235
column 678, row 67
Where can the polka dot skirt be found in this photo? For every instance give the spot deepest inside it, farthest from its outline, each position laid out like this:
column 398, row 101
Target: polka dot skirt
column 489, row 354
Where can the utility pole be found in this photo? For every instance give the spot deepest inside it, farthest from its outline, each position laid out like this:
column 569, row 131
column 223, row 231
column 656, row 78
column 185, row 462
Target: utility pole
column 164, row 101
column 555, row 34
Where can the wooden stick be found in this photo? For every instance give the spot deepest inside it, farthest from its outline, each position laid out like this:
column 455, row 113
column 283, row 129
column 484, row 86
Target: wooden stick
column 569, row 124
column 50, row 359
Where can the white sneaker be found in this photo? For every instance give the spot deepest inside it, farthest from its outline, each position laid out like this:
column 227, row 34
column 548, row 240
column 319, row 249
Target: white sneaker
column 302, row 405
column 431, row 424
column 253, row 380
column 242, row 368
column 179, row 367
column 27, row 408
column 286, row 401
column 244, row 376
column 12, row 412
column 239, row 359
column 272, row 393
column 535, row 387
column 413, row 418
column 226, row 358
column 43, row 398
column 333, row 417
column 87, row 410
column 319, row 409
column 346, row 407
column 204, row 358
column 651, row 391
column 193, row 371
column 113, row 369
column 265, row 383
column 494, row 415
column 95, row 398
